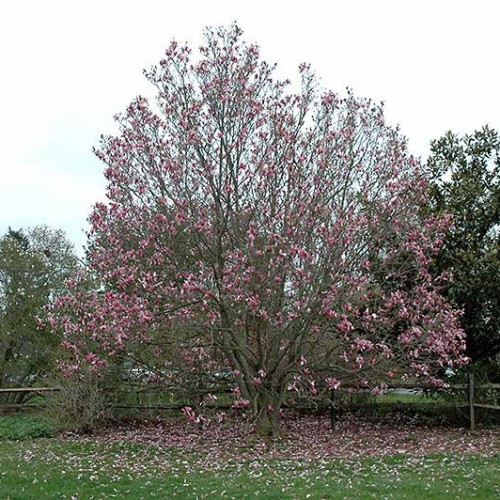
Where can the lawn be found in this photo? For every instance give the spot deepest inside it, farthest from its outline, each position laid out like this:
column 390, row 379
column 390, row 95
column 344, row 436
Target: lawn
column 153, row 461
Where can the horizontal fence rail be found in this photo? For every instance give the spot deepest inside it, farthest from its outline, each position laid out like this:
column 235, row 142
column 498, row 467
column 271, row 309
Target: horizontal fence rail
column 334, row 404
column 27, row 390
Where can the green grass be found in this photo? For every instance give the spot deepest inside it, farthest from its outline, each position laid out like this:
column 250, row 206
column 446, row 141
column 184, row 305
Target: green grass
column 395, row 397
column 53, row 468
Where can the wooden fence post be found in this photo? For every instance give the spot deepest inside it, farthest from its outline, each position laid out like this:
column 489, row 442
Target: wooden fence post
column 333, row 416
column 471, row 403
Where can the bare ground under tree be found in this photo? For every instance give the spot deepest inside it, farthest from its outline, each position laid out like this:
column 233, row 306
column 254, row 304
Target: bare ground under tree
column 307, row 437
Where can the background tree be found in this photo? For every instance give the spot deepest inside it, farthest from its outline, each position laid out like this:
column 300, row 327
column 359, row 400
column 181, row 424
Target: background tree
column 33, row 267
column 242, row 222
column 466, row 184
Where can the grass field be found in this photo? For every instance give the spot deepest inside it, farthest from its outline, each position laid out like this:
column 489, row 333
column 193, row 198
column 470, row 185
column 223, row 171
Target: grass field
column 106, row 467
column 51, row 468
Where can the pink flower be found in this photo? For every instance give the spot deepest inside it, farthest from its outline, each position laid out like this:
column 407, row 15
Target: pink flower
column 332, row 383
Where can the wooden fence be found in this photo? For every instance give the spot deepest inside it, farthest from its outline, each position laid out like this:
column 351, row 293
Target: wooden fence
column 469, row 390
column 334, row 404
column 472, row 403
column 20, row 391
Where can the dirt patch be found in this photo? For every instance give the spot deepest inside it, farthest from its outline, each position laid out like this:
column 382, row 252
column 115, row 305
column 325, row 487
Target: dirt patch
column 306, row 437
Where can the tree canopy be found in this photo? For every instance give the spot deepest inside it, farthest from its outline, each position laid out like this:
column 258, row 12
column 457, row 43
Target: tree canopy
column 466, row 184
column 34, row 265
column 272, row 232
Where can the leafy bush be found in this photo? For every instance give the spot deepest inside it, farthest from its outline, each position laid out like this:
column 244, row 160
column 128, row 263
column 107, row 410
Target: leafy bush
column 21, row 427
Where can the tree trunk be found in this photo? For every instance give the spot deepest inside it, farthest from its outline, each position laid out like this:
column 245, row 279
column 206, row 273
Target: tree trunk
column 266, row 409
column 267, row 424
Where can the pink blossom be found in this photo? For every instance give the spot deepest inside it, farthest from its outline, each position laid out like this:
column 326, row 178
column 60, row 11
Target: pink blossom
column 332, row 383
column 280, row 231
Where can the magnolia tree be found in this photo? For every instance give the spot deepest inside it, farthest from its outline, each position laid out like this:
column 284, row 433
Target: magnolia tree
column 273, row 232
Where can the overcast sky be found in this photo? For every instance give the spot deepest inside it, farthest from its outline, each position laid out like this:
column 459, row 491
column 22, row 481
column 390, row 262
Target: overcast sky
column 68, row 66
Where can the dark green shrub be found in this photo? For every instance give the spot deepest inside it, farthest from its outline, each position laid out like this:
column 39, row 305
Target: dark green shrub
column 22, row 427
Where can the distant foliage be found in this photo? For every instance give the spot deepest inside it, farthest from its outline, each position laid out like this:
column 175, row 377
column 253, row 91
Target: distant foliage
column 466, row 184
column 34, row 265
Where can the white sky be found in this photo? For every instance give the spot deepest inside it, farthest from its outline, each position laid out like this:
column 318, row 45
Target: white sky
column 66, row 67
